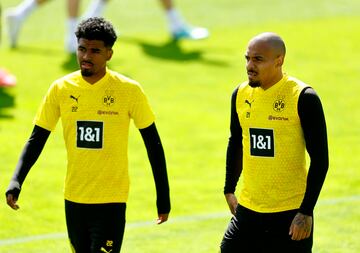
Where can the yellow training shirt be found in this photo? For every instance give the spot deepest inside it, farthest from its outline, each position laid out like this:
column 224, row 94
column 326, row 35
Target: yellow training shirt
column 274, row 171
column 95, row 120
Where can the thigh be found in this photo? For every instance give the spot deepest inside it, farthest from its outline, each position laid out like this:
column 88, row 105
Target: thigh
column 107, row 226
column 77, row 229
column 278, row 238
column 242, row 232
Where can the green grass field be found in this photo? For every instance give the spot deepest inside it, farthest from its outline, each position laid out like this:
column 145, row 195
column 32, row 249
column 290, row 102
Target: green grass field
column 189, row 85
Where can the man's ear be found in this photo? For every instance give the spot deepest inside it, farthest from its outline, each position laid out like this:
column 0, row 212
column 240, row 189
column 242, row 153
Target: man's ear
column 279, row 61
column 110, row 53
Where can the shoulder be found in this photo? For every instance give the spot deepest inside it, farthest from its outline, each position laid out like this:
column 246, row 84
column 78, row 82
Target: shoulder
column 308, row 94
column 309, row 102
column 122, row 79
column 296, row 83
column 240, row 88
column 73, row 78
column 243, row 85
column 121, row 82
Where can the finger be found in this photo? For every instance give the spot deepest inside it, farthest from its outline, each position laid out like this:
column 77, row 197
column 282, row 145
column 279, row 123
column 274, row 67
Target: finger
column 301, row 234
column 308, row 230
column 234, row 210
column 294, row 232
column 231, row 209
column 308, row 234
column 295, row 236
column 13, row 205
column 291, row 229
column 304, row 234
column 162, row 218
column 11, row 201
column 160, row 221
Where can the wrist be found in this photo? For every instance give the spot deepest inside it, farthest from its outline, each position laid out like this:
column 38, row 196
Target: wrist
column 14, row 184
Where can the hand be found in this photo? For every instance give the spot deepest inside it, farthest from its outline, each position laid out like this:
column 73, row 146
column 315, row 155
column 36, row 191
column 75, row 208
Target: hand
column 11, row 201
column 12, row 194
column 162, row 217
column 301, row 227
column 232, row 202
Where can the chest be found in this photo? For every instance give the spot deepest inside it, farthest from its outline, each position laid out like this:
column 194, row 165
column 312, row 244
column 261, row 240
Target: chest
column 81, row 103
column 267, row 109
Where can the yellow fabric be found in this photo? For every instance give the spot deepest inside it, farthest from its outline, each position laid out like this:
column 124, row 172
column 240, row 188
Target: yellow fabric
column 274, row 167
column 95, row 120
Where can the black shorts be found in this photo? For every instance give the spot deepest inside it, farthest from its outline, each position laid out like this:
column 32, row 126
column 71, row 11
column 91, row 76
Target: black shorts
column 95, row 228
column 252, row 232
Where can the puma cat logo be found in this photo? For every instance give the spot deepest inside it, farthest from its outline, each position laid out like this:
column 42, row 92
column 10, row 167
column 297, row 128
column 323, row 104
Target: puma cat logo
column 248, row 102
column 76, row 99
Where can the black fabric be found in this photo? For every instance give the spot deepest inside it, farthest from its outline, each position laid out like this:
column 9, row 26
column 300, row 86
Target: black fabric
column 94, row 228
column 234, row 150
column 28, row 157
column 156, row 156
column 250, row 231
column 314, row 128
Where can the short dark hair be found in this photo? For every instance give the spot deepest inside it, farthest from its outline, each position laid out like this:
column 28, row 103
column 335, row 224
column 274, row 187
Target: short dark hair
column 97, row 28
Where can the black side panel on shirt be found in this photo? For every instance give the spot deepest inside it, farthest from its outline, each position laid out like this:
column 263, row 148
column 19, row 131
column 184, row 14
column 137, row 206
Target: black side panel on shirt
column 234, row 150
column 314, row 128
column 156, row 156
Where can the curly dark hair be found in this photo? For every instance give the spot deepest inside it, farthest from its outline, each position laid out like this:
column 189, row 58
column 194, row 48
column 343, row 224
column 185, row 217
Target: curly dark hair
column 97, row 28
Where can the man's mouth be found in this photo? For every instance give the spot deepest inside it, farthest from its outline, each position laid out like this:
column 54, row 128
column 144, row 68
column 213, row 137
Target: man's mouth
column 252, row 73
column 86, row 64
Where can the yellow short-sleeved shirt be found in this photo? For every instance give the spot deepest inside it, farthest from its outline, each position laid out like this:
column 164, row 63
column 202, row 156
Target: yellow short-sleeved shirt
column 95, row 120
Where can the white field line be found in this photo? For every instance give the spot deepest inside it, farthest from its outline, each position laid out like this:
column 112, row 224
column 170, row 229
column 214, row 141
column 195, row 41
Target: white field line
column 179, row 219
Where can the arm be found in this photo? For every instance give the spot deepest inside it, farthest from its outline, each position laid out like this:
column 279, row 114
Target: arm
column 158, row 164
column 233, row 156
column 28, row 157
column 314, row 128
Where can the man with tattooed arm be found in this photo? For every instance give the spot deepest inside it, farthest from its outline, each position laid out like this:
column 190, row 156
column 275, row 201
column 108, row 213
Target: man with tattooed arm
column 275, row 120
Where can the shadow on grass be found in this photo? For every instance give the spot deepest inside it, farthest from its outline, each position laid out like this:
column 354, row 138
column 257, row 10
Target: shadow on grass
column 7, row 100
column 172, row 51
column 70, row 63
column 36, row 50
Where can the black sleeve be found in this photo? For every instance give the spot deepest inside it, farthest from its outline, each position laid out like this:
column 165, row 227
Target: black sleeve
column 156, row 156
column 234, row 152
column 314, row 128
column 28, row 157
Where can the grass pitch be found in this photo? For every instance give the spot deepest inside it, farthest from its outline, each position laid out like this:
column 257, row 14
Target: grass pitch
column 189, row 86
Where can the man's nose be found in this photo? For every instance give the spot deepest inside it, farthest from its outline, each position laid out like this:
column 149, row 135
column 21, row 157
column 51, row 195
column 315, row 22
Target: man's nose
column 249, row 64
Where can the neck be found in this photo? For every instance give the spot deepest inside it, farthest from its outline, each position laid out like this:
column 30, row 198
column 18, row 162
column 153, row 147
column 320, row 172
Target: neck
column 94, row 78
column 272, row 82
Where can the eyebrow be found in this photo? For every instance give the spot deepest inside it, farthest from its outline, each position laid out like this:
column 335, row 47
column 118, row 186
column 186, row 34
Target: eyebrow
column 255, row 56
